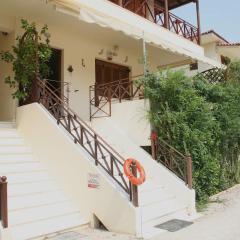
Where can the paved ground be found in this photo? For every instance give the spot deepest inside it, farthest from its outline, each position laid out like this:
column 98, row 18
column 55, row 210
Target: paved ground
column 221, row 221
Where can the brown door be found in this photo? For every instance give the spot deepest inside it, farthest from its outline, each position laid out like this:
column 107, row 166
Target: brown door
column 107, row 73
column 54, row 78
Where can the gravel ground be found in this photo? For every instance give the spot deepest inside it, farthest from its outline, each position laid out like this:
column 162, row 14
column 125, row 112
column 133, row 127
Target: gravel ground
column 221, row 221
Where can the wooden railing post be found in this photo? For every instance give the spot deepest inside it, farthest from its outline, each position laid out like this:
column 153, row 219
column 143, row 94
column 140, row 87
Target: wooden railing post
column 189, row 171
column 4, row 202
column 120, row 92
column 69, row 122
column 134, row 187
column 95, row 149
column 110, row 100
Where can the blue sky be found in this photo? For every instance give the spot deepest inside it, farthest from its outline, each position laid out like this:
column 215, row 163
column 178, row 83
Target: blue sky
column 220, row 15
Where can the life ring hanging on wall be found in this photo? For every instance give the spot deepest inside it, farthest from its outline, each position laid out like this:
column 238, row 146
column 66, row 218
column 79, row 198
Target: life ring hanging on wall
column 127, row 167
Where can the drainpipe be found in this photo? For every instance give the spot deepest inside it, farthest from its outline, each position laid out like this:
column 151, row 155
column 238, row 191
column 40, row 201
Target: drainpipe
column 145, row 67
column 198, row 21
column 166, row 15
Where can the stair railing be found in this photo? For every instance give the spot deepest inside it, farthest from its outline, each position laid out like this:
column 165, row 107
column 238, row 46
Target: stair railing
column 171, row 158
column 103, row 95
column 3, row 202
column 103, row 154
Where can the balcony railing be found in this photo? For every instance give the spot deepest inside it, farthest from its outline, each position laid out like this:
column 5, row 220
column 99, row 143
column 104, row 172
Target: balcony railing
column 103, row 95
column 158, row 15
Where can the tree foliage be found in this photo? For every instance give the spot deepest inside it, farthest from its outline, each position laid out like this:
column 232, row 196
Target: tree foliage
column 202, row 119
column 29, row 59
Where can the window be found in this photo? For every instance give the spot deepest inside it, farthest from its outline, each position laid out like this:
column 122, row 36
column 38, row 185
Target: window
column 193, row 66
column 225, row 60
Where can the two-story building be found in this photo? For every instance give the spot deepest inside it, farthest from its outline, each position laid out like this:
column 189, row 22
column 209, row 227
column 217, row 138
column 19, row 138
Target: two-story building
column 96, row 44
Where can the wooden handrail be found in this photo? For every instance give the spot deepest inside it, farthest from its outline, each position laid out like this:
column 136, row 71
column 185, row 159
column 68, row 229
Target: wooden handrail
column 178, row 163
column 82, row 121
column 103, row 154
column 3, row 202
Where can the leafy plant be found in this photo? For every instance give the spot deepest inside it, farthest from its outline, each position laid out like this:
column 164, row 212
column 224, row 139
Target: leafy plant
column 201, row 118
column 29, row 59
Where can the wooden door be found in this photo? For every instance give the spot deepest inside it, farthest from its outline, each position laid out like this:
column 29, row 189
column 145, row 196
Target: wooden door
column 107, row 73
column 55, row 70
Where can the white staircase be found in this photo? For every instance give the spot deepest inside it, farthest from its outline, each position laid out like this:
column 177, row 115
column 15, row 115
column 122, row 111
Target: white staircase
column 161, row 197
column 37, row 206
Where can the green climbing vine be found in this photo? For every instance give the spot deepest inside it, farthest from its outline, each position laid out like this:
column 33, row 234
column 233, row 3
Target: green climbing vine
column 29, row 58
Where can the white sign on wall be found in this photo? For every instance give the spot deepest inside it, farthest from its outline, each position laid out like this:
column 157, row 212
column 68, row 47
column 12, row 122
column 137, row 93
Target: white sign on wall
column 93, row 180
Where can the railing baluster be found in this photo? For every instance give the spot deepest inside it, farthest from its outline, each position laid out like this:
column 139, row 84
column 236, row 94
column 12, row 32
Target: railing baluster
column 96, row 149
column 111, row 164
column 69, row 122
column 120, row 92
column 134, row 187
column 81, row 135
column 189, row 171
column 110, row 100
column 175, row 161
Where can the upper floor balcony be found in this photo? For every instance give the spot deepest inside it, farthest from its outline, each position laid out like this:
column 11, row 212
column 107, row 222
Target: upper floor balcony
column 159, row 12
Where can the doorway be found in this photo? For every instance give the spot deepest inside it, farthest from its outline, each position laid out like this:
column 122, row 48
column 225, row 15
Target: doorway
column 54, row 80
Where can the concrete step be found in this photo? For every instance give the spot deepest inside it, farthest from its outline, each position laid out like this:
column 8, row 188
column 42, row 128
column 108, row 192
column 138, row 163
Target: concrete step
column 14, row 149
column 150, row 186
column 154, row 196
column 39, row 213
column 161, row 209
column 35, row 200
column 28, row 177
column 8, row 133
column 32, row 188
column 15, row 158
column 7, row 169
column 48, row 226
column 11, row 141
column 8, row 125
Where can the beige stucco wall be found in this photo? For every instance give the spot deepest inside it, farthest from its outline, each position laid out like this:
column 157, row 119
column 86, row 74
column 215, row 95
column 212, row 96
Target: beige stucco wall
column 7, row 104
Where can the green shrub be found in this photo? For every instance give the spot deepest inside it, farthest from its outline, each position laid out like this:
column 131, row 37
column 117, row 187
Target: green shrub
column 202, row 119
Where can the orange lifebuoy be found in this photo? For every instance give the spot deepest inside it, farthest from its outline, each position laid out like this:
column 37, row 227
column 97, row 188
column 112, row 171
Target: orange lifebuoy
column 127, row 167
